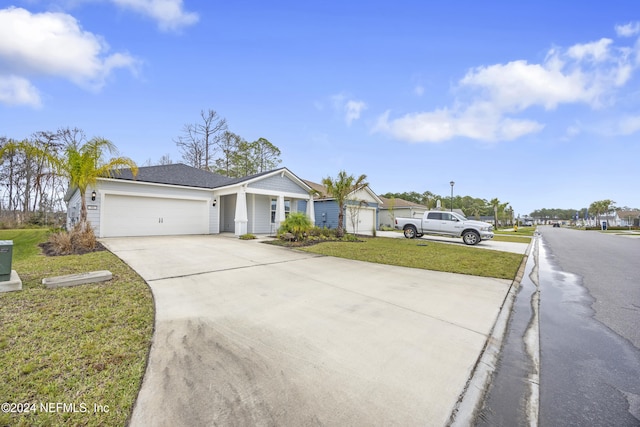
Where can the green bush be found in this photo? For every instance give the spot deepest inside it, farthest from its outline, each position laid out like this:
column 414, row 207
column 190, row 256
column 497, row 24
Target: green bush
column 323, row 232
column 297, row 224
column 248, row 236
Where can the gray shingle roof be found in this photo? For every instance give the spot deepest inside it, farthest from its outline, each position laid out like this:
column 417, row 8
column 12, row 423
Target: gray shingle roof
column 401, row 203
column 177, row 174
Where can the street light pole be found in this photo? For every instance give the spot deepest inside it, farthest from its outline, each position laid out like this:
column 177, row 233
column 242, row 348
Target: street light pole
column 452, row 184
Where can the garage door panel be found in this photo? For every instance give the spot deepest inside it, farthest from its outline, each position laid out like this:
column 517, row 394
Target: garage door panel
column 365, row 220
column 148, row 216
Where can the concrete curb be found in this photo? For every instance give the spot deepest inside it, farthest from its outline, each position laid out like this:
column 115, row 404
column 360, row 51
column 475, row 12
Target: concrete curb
column 470, row 402
column 77, row 279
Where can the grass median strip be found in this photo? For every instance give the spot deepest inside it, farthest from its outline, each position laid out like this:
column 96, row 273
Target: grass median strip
column 71, row 355
column 425, row 255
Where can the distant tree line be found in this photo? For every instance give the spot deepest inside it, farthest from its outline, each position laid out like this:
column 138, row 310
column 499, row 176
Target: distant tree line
column 208, row 144
column 472, row 207
column 595, row 210
column 476, row 207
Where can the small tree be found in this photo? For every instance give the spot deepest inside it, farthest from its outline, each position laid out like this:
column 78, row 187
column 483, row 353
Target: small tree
column 340, row 188
column 353, row 208
column 297, row 224
column 392, row 210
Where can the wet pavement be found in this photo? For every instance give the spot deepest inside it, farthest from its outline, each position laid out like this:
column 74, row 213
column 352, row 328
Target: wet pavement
column 585, row 368
column 512, row 398
column 590, row 375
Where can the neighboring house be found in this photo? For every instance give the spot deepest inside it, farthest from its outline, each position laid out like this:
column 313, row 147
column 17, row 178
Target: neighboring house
column 361, row 210
column 398, row 208
column 179, row 199
column 629, row 218
column 611, row 218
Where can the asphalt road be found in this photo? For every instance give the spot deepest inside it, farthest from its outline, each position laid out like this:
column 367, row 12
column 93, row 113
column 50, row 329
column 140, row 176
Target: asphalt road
column 589, row 335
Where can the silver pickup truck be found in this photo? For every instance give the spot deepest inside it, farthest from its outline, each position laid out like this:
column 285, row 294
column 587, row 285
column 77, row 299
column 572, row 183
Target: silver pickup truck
column 447, row 224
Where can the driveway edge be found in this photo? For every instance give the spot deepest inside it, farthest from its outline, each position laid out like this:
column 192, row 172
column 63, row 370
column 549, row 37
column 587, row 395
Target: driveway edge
column 472, row 397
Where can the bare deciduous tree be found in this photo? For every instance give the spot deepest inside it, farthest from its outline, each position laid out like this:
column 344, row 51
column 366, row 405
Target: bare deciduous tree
column 199, row 141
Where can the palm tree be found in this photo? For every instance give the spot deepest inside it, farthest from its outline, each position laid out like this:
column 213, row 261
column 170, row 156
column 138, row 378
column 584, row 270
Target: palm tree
column 339, row 189
column 84, row 165
column 600, row 207
column 495, row 203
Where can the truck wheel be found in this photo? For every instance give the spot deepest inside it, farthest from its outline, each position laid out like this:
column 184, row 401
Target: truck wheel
column 410, row 232
column 471, row 237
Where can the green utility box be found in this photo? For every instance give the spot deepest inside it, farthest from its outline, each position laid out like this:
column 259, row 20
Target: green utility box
column 6, row 253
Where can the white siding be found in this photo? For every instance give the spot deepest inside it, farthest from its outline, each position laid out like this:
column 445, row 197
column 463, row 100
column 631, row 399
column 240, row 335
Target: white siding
column 362, row 194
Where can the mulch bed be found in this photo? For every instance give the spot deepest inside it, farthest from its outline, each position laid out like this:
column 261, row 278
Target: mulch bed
column 49, row 250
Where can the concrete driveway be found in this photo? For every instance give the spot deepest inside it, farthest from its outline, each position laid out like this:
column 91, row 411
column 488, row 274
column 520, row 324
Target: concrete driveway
column 252, row 334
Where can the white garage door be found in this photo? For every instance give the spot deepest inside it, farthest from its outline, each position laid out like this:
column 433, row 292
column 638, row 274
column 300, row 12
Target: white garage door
column 153, row 216
column 364, row 219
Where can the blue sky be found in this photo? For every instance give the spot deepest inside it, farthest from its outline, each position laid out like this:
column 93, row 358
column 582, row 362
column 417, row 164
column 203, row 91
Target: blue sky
column 536, row 103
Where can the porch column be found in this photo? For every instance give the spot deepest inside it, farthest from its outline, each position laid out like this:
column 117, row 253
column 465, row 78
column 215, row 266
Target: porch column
column 280, row 216
column 241, row 217
column 311, row 213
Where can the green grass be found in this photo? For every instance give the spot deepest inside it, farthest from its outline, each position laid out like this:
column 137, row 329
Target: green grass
column 522, row 231
column 433, row 256
column 512, row 238
column 82, row 345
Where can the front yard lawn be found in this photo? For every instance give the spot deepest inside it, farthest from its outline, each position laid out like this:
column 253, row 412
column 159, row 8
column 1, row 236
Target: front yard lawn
column 511, row 238
column 425, row 254
column 64, row 351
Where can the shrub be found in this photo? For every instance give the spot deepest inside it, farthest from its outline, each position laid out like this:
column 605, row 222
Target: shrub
column 297, row 224
column 247, row 236
column 322, row 232
column 61, row 243
column 80, row 239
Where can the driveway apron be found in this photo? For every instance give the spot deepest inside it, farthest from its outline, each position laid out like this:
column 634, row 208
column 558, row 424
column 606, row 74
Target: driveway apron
column 251, row 334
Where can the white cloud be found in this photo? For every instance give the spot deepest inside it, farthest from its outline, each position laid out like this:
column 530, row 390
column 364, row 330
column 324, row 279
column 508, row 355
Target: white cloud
column 596, row 51
column 16, row 90
column 442, row 125
column 628, row 30
column 491, row 97
column 351, row 108
column 53, row 44
column 169, row 14
column 518, row 85
column 628, row 125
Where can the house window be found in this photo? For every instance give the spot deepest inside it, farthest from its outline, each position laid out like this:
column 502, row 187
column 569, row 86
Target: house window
column 274, row 206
